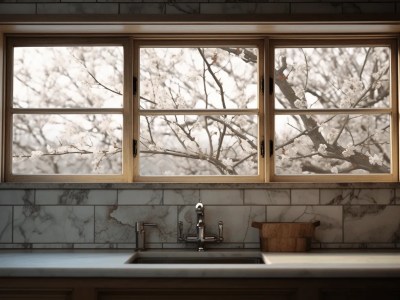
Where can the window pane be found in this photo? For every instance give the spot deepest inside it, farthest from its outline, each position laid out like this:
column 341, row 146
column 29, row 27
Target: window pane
column 337, row 77
column 67, row 144
column 68, row 77
column 199, row 145
column 201, row 78
column 331, row 144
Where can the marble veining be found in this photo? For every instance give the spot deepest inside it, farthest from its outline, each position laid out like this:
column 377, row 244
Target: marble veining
column 76, row 197
column 305, row 197
column 181, row 197
column 330, row 229
column 222, row 197
column 372, row 224
column 6, row 224
column 16, row 197
column 103, row 215
column 116, row 224
column 357, row 196
column 140, row 197
column 53, row 224
column 267, row 197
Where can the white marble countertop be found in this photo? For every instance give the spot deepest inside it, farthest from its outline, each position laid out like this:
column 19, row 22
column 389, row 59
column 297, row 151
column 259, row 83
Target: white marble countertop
column 113, row 263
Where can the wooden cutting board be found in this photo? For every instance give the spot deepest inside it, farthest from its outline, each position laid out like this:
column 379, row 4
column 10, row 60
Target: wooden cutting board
column 285, row 237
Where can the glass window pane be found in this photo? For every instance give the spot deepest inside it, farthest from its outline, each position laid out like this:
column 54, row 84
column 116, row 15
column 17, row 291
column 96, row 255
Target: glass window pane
column 199, row 145
column 332, row 77
column 332, row 144
column 67, row 144
column 68, row 77
column 201, row 78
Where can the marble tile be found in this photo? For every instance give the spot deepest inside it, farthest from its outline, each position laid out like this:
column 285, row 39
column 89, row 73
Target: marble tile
column 372, row 224
column 182, row 8
column 244, row 8
column 369, row 8
column 311, row 8
column 52, row 246
column 266, row 197
column 221, row 197
column 237, row 221
column 16, row 197
column 18, row 8
column 305, row 196
column 14, row 246
column 140, row 197
column 357, row 196
column 142, row 8
column 96, row 246
column 77, row 8
column 53, row 224
column 181, row 197
column 397, row 196
column 76, row 197
column 116, row 224
column 6, row 224
column 330, row 230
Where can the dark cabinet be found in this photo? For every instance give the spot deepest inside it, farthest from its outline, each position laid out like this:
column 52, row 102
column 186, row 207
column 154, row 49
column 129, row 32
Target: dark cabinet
column 199, row 289
column 196, row 294
column 34, row 294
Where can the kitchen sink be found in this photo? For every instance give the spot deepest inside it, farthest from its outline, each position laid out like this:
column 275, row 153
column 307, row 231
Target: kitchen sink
column 184, row 257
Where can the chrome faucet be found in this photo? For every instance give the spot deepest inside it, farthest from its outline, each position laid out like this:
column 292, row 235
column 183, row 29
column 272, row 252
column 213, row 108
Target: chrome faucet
column 201, row 237
column 140, row 235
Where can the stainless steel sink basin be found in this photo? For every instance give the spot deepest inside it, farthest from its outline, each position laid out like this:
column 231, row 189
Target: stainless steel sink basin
column 185, row 257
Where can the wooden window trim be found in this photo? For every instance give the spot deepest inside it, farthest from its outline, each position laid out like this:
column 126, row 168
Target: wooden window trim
column 393, row 110
column 125, row 112
column 256, row 111
column 266, row 130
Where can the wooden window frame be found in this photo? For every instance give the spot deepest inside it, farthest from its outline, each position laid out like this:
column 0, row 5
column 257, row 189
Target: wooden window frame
column 392, row 111
column 259, row 111
column 125, row 111
column 266, row 111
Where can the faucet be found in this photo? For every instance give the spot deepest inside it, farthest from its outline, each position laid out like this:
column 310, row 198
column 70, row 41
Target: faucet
column 140, row 235
column 200, row 238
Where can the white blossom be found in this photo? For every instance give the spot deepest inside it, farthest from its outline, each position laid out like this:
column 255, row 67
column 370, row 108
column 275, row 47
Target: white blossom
column 334, row 170
column 352, row 86
column 375, row 160
column 36, row 154
column 228, row 162
column 331, row 136
column 322, row 149
column 49, row 149
column 349, row 151
column 345, row 102
column 299, row 92
column 323, row 127
column 284, row 158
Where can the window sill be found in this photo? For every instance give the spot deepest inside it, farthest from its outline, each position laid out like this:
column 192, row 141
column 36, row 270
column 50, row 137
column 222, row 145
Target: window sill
column 178, row 186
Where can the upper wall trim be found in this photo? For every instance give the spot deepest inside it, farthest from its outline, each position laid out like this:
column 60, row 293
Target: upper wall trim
column 173, row 24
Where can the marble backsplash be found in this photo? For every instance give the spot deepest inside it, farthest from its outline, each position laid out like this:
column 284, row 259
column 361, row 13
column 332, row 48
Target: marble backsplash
column 105, row 216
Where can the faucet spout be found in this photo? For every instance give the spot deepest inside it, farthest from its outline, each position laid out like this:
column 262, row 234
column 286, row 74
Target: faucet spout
column 200, row 238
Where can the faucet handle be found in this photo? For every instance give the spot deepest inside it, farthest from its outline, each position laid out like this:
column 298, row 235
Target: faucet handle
column 180, row 231
column 139, row 226
column 220, row 231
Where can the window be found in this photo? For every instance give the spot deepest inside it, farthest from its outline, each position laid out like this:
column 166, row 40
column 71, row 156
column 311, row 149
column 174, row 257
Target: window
column 199, row 109
column 67, row 109
column 334, row 110
column 194, row 110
